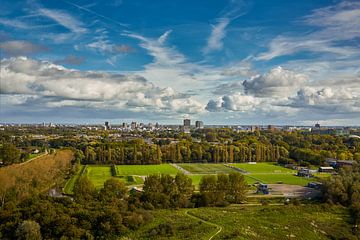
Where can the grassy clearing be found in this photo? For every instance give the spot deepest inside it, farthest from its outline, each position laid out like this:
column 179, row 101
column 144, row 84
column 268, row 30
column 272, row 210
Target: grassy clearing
column 206, row 168
column 284, row 178
column 183, row 227
column 131, row 180
column 69, row 186
column 263, row 168
column 145, row 170
column 98, row 174
column 253, row 222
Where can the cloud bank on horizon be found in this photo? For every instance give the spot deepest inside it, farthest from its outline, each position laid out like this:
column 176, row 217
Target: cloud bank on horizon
column 225, row 62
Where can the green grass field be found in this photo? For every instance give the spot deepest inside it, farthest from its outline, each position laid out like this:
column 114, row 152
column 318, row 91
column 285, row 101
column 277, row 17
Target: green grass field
column 98, row 174
column 251, row 222
column 205, row 168
column 285, row 178
column 133, row 174
column 262, row 168
column 69, row 186
column 145, row 170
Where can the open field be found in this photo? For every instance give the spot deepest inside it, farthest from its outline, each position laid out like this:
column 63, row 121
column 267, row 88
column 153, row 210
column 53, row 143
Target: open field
column 145, row 170
column 281, row 178
column 262, row 168
column 132, row 175
column 205, row 168
column 98, row 174
column 39, row 174
column 251, row 222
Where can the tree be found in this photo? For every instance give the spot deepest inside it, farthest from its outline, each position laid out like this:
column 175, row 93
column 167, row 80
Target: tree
column 237, row 188
column 344, row 188
column 84, row 189
column 9, row 154
column 208, row 188
column 222, row 187
column 28, row 230
column 113, row 190
column 185, row 190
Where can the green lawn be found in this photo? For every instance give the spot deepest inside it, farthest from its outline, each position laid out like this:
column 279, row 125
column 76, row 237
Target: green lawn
column 262, row 168
column 145, row 170
column 98, row 174
column 69, row 186
column 205, row 168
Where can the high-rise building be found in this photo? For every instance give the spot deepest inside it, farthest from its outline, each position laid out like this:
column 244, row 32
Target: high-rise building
column 107, row 126
column 187, row 122
column 199, row 124
column 133, row 125
column 317, row 125
column 186, row 126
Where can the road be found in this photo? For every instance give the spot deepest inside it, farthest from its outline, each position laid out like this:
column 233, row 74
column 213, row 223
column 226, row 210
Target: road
column 204, row 221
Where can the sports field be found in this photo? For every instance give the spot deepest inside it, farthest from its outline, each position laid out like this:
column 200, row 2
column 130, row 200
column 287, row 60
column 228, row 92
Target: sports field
column 205, row 168
column 132, row 175
column 262, row 168
column 145, row 170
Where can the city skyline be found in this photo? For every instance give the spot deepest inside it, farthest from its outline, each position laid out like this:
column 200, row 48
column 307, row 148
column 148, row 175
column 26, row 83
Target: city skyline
column 221, row 62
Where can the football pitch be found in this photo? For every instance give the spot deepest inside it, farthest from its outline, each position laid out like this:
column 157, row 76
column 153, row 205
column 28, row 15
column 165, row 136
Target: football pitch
column 134, row 175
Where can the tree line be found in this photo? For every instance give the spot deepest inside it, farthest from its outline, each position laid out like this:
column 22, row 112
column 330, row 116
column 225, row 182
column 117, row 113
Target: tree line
column 113, row 211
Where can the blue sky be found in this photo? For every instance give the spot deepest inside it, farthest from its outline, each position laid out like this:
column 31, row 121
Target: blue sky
column 224, row 62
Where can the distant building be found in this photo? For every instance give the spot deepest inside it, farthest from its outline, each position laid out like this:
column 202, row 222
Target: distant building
column 199, row 125
column 326, row 169
column 107, row 126
column 186, row 126
column 317, row 125
column 133, row 125
column 254, row 128
column 271, row 128
column 187, row 122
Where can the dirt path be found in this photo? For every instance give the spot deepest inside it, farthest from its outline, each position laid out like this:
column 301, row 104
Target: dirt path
column 204, row 221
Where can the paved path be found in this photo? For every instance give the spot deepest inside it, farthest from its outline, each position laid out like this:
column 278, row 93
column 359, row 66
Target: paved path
column 204, row 221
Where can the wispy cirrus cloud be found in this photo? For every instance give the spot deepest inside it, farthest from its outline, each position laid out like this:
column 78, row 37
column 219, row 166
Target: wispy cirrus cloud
column 234, row 10
column 337, row 24
column 64, row 19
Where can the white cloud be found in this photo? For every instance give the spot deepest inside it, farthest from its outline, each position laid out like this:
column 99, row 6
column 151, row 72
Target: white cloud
column 278, row 82
column 59, row 87
column 64, row 19
column 234, row 102
column 341, row 100
column 218, row 33
column 336, row 23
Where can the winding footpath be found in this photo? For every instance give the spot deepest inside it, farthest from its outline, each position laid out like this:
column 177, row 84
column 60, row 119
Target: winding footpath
column 207, row 222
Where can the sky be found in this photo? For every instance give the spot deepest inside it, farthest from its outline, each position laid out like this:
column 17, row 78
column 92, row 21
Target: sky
column 279, row 62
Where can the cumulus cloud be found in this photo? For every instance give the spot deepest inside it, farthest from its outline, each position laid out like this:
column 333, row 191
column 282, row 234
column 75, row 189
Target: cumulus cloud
column 58, row 87
column 326, row 99
column 20, row 47
column 235, row 102
column 277, row 82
